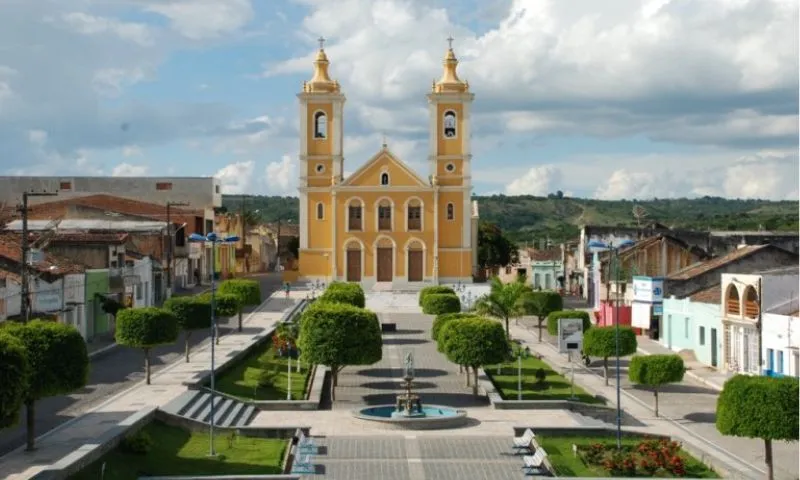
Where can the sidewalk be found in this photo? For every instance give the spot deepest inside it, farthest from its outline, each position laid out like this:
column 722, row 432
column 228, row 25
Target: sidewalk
column 165, row 386
column 698, row 371
column 638, row 403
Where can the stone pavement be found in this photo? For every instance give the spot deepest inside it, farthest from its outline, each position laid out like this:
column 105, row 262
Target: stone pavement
column 166, row 385
column 687, row 410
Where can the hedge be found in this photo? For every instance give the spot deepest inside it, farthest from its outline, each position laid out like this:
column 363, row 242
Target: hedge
column 14, row 376
column 225, row 304
column 439, row 303
column 442, row 319
column 341, row 292
column 552, row 319
column 434, row 289
column 248, row 291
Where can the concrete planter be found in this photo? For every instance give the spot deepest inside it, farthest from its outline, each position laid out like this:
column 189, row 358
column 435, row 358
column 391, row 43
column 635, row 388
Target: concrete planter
column 313, row 395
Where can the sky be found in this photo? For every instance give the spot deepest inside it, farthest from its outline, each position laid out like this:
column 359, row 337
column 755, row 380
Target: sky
column 603, row 99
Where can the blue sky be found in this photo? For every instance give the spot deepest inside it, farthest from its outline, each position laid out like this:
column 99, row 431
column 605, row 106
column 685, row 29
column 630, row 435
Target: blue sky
column 628, row 99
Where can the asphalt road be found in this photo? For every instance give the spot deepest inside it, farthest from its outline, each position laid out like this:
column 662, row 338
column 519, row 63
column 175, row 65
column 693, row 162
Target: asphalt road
column 111, row 373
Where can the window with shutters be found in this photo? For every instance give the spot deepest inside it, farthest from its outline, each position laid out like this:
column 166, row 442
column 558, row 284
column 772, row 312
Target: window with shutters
column 354, row 213
column 384, row 217
column 415, row 218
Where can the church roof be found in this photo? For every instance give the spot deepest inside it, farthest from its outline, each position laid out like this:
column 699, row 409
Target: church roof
column 379, row 160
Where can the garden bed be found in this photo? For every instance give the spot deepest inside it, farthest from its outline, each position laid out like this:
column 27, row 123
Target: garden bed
column 640, row 457
column 262, row 375
column 552, row 386
column 168, row 450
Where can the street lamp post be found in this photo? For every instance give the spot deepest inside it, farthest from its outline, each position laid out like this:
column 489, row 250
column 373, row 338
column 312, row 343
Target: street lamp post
column 213, row 239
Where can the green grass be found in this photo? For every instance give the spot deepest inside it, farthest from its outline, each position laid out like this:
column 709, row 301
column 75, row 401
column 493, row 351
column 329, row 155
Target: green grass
column 555, row 386
column 262, row 375
column 565, row 464
column 176, row 451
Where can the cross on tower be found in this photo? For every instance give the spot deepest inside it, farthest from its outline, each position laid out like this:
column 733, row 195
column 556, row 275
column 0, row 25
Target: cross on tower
column 450, row 42
column 384, row 140
column 321, row 41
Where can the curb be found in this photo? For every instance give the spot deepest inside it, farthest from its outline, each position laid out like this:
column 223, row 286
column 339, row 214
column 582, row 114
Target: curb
column 103, row 350
column 689, row 374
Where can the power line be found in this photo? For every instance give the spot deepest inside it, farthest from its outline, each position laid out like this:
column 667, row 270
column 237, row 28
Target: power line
column 23, row 209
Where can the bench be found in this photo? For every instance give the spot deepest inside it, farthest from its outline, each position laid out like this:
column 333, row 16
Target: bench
column 534, row 464
column 302, row 464
column 306, row 444
column 524, row 442
column 388, row 327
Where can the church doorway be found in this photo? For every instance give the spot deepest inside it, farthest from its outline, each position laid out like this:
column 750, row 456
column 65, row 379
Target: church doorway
column 415, row 265
column 384, row 264
column 354, row 264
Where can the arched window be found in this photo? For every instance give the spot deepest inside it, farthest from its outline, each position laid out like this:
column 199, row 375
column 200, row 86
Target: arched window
column 750, row 303
column 320, row 125
column 450, row 124
column 320, row 211
column 354, row 214
column 414, row 215
column 384, row 178
column 732, row 301
column 384, row 215
column 451, row 211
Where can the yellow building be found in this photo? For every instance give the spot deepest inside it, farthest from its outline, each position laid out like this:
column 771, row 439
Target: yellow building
column 386, row 223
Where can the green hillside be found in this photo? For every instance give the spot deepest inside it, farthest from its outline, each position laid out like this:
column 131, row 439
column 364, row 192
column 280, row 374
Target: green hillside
column 526, row 218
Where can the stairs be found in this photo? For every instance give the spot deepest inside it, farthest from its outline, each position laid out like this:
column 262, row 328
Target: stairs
column 196, row 405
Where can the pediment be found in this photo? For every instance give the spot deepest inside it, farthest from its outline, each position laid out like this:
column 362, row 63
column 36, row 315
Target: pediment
column 400, row 174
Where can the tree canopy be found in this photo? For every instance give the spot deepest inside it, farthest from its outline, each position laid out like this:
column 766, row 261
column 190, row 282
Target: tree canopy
column 146, row 328
column 504, row 301
column 191, row 313
column 439, row 303
column 341, row 292
column 656, row 370
column 602, row 342
column 475, row 342
column 15, row 372
column 494, row 248
column 542, row 304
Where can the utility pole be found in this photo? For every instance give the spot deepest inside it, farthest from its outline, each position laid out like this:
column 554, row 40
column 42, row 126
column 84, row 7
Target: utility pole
column 245, row 257
column 171, row 247
column 25, row 294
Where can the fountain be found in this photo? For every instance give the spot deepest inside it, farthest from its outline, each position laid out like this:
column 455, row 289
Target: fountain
column 408, row 411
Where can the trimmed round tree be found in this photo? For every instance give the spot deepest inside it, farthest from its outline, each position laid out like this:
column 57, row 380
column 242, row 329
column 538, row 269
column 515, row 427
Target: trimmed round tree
column 14, row 377
column 192, row 313
column 602, row 342
column 760, row 407
column 247, row 291
column 553, row 317
column 434, row 289
column 226, row 305
column 146, row 328
column 439, row 303
column 59, row 364
column 541, row 305
column 340, row 292
column 475, row 342
column 338, row 335
column 656, row 370
column 444, row 318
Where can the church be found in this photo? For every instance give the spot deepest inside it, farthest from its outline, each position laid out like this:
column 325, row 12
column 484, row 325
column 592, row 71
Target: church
column 385, row 223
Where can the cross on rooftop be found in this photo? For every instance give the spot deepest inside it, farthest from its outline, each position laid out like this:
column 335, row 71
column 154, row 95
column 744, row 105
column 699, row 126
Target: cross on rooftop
column 450, row 41
column 321, row 41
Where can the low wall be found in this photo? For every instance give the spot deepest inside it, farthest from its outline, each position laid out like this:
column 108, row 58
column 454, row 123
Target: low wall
column 226, row 477
column 313, row 395
column 89, row 453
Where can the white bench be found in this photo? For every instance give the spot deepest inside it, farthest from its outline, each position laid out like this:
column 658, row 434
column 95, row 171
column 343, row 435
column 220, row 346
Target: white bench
column 302, row 464
column 534, row 464
column 306, row 444
column 524, row 442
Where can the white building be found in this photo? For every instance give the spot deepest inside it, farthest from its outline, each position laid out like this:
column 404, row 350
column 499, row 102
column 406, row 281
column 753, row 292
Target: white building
column 781, row 344
column 748, row 300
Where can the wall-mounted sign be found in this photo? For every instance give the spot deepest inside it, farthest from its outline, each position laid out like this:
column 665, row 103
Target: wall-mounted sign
column 648, row 289
column 47, row 301
column 570, row 335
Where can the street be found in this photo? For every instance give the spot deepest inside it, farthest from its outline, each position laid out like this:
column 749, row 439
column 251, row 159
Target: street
column 113, row 372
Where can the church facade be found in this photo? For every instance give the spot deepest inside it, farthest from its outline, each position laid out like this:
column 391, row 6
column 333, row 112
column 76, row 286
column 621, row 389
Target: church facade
column 385, row 222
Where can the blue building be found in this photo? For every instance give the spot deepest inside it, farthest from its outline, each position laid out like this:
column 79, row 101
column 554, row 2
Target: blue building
column 695, row 323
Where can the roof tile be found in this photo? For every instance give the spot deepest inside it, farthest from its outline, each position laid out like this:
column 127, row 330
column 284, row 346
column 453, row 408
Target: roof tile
column 709, row 295
column 11, row 249
column 702, row 267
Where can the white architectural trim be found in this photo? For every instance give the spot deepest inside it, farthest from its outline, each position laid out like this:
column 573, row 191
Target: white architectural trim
column 393, row 213
column 303, row 220
column 424, row 257
column 303, row 129
column 465, row 124
column 347, row 214
column 444, row 114
column 436, row 235
column 433, row 127
column 385, row 171
column 380, row 188
column 335, row 130
column 375, row 256
column 454, row 249
column 392, row 158
column 421, row 215
column 333, row 236
column 344, row 252
column 466, row 224
column 314, row 126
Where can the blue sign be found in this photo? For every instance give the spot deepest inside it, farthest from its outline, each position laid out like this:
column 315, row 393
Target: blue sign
column 658, row 309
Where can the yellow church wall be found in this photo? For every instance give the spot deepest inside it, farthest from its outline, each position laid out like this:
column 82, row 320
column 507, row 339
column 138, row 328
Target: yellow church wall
column 397, row 175
column 450, row 146
column 319, row 146
column 314, row 263
column 319, row 179
column 450, row 266
column 450, row 179
column 319, row 231
column 450, row 230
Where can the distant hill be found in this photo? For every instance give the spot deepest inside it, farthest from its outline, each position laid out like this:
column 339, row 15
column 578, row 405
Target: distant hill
column 528, row 218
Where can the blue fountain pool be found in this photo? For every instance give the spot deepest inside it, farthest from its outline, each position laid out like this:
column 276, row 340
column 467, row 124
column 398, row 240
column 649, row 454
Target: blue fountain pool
column 390, row 411
column 431, row 416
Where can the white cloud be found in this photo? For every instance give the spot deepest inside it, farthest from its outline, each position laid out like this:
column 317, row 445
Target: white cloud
column 94, row 25
column 129, row 170
column 538, row 181
column 763, row 176
column 112, row 81
column 237, row 177
column 201, row 19
column 280, row 176
column 131, row 151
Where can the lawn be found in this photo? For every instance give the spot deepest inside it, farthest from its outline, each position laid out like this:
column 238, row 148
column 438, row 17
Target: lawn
column 565, row 464
column 554, row 387
column 262, row 375
column 175, row 451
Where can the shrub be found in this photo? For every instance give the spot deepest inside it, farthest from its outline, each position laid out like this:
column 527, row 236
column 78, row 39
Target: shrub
column 434, row 289
column 656, row 370
column 14, row 372
column 442, row 319
column 553, row 317
column 439, row 303
column 540, row 375
column 348, row 293
column 192, row 313
column 138, row 443
column 225, row 304
column 248, row 291
column 146, row 328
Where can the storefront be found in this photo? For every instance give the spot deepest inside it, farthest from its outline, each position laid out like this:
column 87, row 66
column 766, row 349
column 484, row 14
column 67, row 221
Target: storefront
column 648, row 306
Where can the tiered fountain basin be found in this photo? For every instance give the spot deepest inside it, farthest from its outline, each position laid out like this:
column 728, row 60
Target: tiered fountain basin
column 428, row 417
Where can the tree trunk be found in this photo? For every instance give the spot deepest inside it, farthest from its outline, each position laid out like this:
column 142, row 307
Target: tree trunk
column 466, row 375
column 508, row 332
column 475, row 381
column 655, row 394
column 30, row 420
column 540, row 330
column 147, row 365
column 186, row 345
column 240, row 319
column 460, row 369
column 216, row 332
column 768, row 458
column 605, row 369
